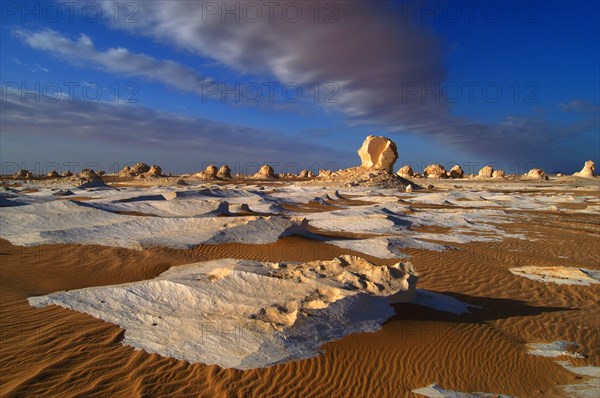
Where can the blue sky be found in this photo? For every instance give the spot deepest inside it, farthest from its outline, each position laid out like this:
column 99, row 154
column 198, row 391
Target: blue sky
column 514, row 84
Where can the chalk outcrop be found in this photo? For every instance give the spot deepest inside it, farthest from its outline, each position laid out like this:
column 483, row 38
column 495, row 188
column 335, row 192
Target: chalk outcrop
column 265, row 172
column 135, row 170
column 379, row 153
column 23, row 175
column 587, row 171
column 498, row 174
column 279, row 306
column 456, row 172
column 306, row 174
column 88, row 174
column 535, row 174
column 406, row 171
column 224, row 172
column 486, row 172
column 435, row 171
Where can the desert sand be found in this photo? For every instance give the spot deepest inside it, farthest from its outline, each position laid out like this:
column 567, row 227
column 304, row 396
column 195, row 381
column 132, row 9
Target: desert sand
column 484, row 285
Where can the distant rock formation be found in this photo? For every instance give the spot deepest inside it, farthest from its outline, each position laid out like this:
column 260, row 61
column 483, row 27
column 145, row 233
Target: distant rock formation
column 325, row 173
column 138, row 169
column 211, row 171
column 306, row 174
column 378, row 152
column 265, row 171
column 486, row 172
column 498, row 174
column 53, row 174
column 67, row 173
column 535, row 174
column 456, row 172
column 88, row 174
column 435, row 171
column 587, row 171
column 155, row 171
column 406, row 171
column 23, row 175
column 224, row 172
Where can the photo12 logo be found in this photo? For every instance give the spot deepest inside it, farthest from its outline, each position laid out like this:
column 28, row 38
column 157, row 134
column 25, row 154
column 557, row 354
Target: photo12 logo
column 122, row 92
column 69, row 11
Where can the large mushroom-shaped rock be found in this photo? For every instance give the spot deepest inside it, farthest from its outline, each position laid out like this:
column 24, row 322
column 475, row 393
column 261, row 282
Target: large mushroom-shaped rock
column 434, row 171
column 486, row 172
column 498, row 174
column 456, row 172
column 224, row 172
column 378, row 152
column 587, row 171
column 405, row 171
column 23, row 175
column 535, row 174
column 265, row 171
column 53, row 174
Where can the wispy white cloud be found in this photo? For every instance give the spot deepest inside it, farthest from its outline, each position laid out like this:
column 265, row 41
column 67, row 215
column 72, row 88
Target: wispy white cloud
column 580, row 106
column 117, row 60
column 32, row 68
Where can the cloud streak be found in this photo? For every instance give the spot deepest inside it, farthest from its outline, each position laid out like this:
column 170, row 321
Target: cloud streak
column 373, row 53
column 137, row 127
column 116, row 60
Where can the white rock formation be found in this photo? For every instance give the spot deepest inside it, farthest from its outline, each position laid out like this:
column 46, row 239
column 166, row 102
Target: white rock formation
column 456, row 172
column 498, row 174
column 245, row 314
column 535, row 174
column 224, row 172
column 587, row 171
column 406, row 171
column 265, row 172
column 559, row 275
column 378, row 152
column 435, row 171
column 486, row 172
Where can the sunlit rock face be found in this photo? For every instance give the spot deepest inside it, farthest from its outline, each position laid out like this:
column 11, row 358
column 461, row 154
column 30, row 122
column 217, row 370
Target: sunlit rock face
column 435, row 171
column 378, row 152
column 587, row 171
column 246, row 314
